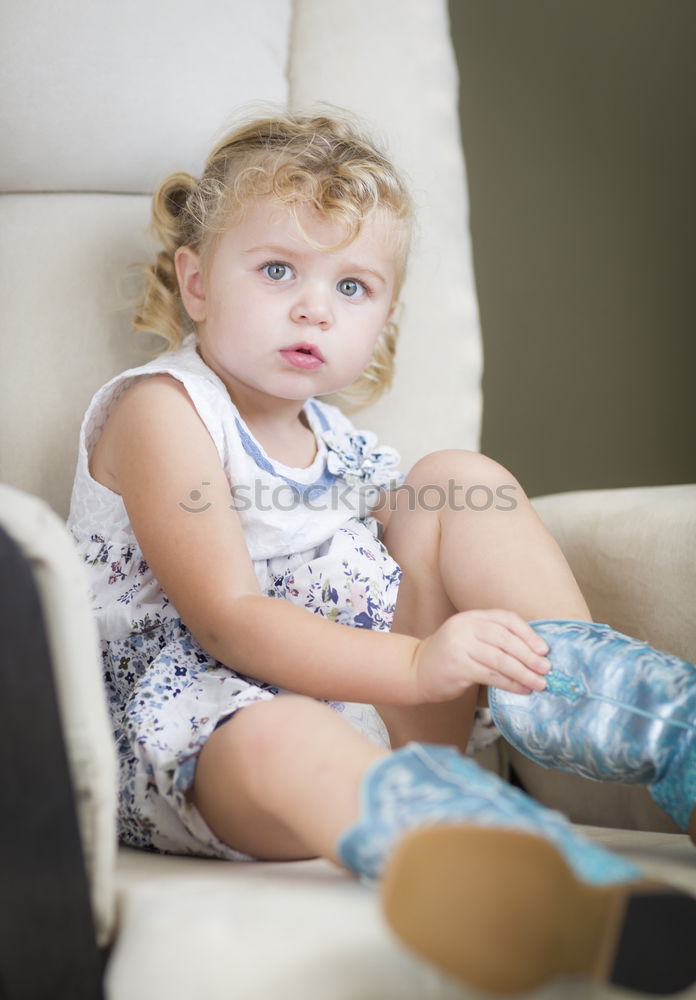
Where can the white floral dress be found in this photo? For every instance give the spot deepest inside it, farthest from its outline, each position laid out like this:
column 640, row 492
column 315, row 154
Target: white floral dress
column 312, row 542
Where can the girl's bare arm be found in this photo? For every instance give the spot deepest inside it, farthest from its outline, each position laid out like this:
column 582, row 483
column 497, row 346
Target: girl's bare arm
column 155, row 450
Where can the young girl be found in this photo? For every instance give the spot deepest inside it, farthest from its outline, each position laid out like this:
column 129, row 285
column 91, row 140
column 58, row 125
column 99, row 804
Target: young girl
column 218, row 500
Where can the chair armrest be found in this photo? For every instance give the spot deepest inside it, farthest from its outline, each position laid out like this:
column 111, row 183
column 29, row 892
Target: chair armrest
column 48, row 944
column 633, row 553
column 61, row 584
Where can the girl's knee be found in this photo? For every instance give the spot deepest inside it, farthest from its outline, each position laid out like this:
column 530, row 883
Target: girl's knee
column 454, row 479
column 458, row 465
column 459, row 480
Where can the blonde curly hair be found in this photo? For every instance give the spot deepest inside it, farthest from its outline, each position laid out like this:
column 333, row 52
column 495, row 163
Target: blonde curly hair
column 323, row 161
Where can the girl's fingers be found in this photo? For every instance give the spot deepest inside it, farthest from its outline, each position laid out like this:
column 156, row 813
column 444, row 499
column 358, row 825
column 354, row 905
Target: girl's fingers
column 512, row 644
column 505, row 684
column 516, row 624
column 497, row 665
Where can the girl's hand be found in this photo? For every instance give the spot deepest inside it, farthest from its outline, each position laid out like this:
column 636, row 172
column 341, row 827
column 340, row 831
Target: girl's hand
column 497, row 648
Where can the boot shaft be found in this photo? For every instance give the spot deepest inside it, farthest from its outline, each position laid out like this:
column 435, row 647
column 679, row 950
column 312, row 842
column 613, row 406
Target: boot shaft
column 614, row 709
column 423, row 785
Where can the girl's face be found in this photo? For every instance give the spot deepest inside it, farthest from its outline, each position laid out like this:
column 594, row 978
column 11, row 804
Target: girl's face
column 278, row 317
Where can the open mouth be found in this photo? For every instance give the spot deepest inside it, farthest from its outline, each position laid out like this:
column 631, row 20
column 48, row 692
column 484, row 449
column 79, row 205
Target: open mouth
column 305, row 356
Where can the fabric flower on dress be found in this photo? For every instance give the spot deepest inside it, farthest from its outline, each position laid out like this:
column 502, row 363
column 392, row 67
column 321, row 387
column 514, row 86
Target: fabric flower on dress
column 357, row 459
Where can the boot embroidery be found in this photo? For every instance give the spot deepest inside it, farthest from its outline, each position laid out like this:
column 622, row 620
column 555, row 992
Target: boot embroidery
column 565, row 686
column 575, row 688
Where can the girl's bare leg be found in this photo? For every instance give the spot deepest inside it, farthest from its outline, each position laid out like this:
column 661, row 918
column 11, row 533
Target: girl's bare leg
column 467, row 537
column 280, row 779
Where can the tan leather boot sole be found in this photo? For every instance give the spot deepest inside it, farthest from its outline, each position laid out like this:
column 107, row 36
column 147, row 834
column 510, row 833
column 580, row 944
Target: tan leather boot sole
column 503, row 912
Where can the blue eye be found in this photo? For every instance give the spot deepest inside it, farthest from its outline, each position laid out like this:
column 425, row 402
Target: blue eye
column 352, row 288
column 277, row 271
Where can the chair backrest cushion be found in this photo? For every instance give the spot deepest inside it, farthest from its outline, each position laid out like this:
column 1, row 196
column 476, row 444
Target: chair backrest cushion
column 100, row 101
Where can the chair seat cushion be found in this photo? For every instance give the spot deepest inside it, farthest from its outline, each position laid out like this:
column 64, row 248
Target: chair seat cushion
column 297, row 930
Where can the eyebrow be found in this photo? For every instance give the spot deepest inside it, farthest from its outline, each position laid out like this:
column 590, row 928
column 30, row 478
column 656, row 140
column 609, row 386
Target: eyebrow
column 283, row 251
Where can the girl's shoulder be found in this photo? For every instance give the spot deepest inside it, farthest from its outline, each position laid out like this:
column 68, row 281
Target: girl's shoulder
column 159, row 381
column 183, row 370
column 134, row 406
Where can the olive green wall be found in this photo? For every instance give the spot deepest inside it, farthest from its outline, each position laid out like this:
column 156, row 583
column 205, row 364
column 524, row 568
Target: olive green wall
column 579, row 128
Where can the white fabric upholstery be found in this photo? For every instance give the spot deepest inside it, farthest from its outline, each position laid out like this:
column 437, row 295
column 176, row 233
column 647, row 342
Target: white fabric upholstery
column 64, row 281
column 298, row 931
column 633, row 553
column 294, row 931
column 111, row 97
column 72, row 638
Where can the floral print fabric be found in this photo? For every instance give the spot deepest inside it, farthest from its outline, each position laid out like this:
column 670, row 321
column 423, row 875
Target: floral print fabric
column 167, row 695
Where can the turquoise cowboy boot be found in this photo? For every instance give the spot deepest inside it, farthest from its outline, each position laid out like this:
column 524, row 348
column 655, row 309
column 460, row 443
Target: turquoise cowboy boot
column 502, row 892
column 614, row 709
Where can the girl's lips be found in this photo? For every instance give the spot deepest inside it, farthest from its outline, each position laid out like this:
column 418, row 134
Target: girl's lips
column 303, row 356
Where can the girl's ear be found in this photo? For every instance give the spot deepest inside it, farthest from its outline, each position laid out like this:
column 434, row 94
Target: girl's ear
column 188, row 272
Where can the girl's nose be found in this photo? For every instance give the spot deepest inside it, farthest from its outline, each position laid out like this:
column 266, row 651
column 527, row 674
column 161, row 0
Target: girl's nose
column 312, row 309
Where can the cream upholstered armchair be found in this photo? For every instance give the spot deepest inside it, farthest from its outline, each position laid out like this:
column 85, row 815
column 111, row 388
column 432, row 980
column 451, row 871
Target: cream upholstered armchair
column 99, row 102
